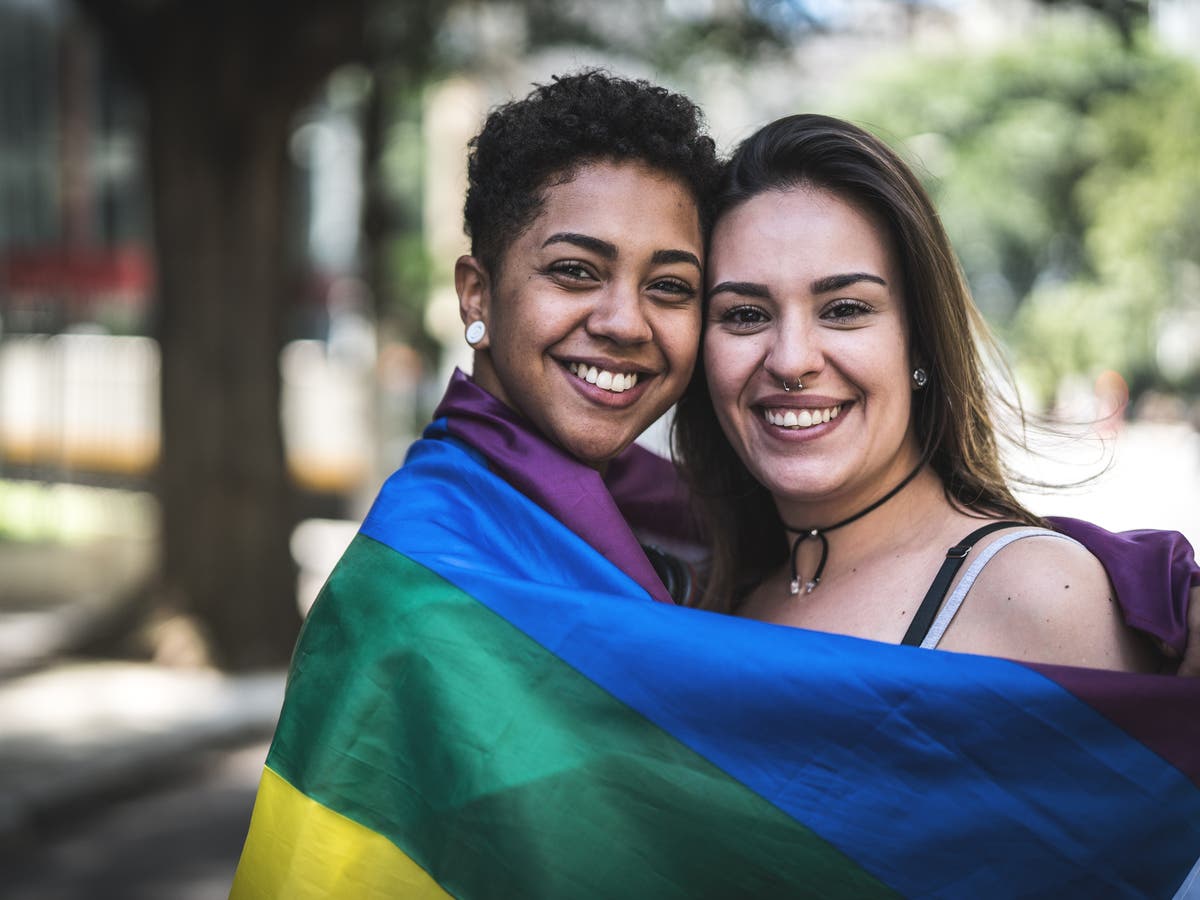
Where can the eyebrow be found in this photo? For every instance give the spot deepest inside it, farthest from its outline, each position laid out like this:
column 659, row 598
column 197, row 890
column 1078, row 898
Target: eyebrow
column 676, row 256
column 587, row 242
column 609, row 251
column 741, row 288
column 820, row 286
column 837, row 282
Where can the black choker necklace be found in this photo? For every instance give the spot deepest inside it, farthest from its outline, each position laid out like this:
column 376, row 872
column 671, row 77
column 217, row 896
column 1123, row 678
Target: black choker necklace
column 804, row 534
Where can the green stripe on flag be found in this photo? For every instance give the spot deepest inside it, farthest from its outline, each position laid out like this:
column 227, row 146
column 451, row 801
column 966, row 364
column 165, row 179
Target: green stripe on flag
column 416, row 711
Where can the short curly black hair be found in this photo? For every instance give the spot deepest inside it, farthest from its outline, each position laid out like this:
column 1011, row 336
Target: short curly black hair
column 584, row 117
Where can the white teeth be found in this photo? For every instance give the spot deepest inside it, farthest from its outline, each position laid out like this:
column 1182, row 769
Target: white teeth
column 616, row 382
column 804, row 418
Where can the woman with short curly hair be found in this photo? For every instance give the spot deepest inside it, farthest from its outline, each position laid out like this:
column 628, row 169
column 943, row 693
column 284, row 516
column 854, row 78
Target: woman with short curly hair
column 421, row 727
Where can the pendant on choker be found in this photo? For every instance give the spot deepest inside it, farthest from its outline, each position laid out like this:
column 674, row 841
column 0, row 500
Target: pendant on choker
column 803, row 534
column 794, row 587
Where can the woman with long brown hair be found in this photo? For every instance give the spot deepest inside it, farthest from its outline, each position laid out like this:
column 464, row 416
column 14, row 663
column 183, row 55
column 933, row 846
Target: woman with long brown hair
column 852, row 481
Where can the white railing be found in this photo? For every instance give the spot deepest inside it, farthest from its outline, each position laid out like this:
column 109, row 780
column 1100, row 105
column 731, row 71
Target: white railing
column 89, row 403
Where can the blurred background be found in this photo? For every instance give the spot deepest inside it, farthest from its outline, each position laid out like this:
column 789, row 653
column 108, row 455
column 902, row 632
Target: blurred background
column 227, row 233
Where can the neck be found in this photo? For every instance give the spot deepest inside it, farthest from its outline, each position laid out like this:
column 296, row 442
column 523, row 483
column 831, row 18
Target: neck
column 826, row 512
column 867, row 518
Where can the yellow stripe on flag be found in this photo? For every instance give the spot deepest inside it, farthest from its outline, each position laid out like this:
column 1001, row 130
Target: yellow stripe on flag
column 298, row 849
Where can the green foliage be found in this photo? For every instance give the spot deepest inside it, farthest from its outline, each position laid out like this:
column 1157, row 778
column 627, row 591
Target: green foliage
column 1066, row 173
column 669, row 35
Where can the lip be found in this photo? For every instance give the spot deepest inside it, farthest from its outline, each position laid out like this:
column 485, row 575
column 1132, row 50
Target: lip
column 600, row 396
column 797, row 401
column 798, row 435
column 604, row 362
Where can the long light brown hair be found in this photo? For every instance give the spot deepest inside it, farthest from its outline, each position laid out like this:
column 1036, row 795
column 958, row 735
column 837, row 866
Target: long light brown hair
column 952, row 415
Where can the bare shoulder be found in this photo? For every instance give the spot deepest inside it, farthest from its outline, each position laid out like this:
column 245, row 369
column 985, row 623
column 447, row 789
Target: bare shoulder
column 1046, row 599
column 1047, row 562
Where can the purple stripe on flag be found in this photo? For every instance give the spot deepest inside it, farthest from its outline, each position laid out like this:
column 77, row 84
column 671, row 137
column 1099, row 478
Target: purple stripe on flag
column 651, row 495
column 1159, row 710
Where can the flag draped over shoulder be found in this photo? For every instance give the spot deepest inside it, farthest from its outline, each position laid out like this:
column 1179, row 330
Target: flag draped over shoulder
column 483, row 704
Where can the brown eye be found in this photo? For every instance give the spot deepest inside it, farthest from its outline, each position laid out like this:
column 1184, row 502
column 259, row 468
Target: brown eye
column 571, row 270
column 846, row 310
column 744, row 316
column 673, row 286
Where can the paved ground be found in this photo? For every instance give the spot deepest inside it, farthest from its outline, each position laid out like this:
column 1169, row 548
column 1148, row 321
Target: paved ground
column 117, row 779
column 178, row 839
column 128, row 780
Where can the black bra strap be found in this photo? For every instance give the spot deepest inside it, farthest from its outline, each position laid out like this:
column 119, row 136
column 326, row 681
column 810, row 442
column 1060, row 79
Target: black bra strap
column 676, row 575
column 927, row 611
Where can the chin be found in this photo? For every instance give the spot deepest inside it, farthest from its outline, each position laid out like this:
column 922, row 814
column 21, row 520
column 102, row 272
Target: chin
column 594, row 454
column 801, row 487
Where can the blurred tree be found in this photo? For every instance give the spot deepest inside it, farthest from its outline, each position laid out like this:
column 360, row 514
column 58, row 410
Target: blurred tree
column 1139, row 204
column 1126, row 16
column 222, row 83
column 1072, row 207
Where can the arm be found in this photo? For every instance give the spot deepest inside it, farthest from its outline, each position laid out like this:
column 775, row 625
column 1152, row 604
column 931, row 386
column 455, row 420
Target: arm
column 1190, row 664
column 1048, row 600
column 1156, row 579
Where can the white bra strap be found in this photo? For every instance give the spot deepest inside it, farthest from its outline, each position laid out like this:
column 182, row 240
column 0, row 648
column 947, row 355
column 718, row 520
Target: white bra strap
column 1190, row 889
column 950, row 607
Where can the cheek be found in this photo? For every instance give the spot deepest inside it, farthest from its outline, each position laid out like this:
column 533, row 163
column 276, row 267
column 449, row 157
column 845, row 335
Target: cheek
column 681, row 344
column 501, row 331
column 880, row 365
column 712, row 367
column 725, row 363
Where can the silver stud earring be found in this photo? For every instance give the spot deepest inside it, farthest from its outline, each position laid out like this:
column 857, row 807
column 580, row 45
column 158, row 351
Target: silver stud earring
column 919, row 378
column 475, row 332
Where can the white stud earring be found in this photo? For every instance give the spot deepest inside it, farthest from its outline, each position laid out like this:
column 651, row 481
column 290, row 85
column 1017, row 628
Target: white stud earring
column 919, row 378
column 475, row 332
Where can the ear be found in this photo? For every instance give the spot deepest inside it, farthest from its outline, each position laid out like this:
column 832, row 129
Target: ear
column 473, row 284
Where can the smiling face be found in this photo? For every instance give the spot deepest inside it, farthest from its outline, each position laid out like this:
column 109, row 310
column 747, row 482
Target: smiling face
column 805, row 286
column 594, row 319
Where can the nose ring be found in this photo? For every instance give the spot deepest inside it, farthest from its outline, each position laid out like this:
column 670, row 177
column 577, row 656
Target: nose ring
column 788, row 388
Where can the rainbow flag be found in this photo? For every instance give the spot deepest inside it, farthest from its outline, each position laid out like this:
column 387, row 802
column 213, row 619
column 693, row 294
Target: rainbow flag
column 482, row 705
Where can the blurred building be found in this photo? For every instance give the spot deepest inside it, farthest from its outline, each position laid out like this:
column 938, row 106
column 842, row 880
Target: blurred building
column 1176, row 24
column 72, row 212
column 79, row 368
column 77, row 374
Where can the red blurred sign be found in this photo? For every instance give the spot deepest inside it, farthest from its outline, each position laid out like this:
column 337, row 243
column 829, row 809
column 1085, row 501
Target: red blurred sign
column 123, row 270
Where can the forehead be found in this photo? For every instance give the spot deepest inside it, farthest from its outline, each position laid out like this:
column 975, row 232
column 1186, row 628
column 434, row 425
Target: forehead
column 801, row 232
column 620, row 202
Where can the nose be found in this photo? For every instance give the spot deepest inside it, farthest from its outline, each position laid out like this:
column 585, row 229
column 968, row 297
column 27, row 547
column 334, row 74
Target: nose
column 619, row 316
column 795, row 352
